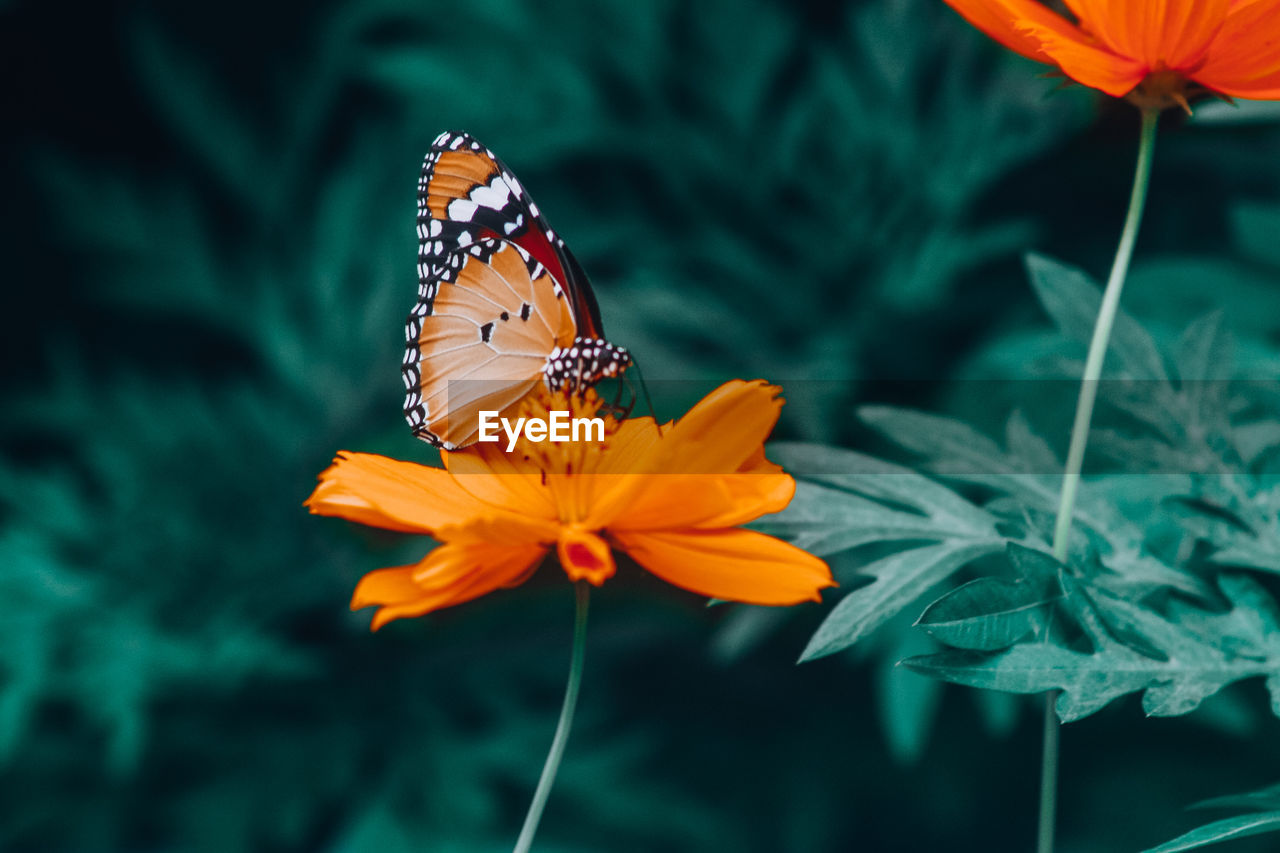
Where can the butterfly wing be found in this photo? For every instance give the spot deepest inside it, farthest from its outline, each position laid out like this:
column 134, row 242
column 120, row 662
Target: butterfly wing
column 480, row 339
column 465, row 194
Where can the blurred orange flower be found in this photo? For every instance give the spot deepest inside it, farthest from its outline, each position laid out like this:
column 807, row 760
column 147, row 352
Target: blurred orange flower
column 670, row 498
column 1149, row 50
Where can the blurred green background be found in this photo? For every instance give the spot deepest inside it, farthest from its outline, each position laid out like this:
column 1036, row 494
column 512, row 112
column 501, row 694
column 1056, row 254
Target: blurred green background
column 209, row 248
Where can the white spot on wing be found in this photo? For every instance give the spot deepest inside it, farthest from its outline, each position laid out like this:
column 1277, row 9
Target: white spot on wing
column 494, row 197
column 461, row 209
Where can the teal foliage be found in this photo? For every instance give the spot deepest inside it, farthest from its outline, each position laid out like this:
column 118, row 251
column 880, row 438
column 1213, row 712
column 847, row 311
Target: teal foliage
column 209, row 246
column 1262, row 816
column 1145, row 602
column 1179, row 659
column 1119, row 616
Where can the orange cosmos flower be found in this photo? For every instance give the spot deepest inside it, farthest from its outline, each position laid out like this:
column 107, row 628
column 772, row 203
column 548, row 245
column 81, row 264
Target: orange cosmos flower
column 671, row 498
column 1150, row 50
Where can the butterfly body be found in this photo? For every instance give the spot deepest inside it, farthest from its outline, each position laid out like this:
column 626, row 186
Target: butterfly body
column 502, row 303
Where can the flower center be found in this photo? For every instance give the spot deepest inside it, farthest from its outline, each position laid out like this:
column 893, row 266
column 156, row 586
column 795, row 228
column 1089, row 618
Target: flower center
column 566, row 457
column 581, row 557
column 1160, row 90
column 585, row 556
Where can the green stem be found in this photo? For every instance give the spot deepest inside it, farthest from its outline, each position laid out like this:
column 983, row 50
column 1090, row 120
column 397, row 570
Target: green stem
column 582, row 594
column 1048, row 775
column 1080, row 438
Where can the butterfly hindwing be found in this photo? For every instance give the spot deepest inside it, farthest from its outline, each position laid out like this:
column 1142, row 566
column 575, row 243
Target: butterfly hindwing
column 482, row 339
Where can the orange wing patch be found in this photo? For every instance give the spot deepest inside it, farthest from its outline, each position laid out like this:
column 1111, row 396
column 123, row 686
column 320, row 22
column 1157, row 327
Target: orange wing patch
column 485, row 343
column 456, row 174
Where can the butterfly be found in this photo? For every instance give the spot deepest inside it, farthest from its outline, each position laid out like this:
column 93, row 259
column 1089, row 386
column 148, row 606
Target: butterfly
column 502, row 303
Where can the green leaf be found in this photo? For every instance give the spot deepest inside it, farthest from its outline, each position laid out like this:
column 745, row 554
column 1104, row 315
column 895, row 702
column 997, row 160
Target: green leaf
column 1239, row 520
column 1222, row 830
column 900, row 579
column 988, row 614
column 957, row 451
column 845, row 499
column 1205, row 350
column 1178, row 661
column 1263, row 799
column 855, row 478
column 1072, row 299
column 1028, row 447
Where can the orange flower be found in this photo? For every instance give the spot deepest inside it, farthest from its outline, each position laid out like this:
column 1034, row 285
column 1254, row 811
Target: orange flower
column 672, row 499
column 1149, row 50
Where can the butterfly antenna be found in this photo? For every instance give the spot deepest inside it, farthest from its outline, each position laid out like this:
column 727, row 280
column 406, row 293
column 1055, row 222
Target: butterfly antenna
column 644, row 389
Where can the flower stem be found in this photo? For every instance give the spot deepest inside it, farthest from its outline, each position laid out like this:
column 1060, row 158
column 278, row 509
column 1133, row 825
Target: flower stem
column 1048, row 775
column 582, row 595
column 1080, row 438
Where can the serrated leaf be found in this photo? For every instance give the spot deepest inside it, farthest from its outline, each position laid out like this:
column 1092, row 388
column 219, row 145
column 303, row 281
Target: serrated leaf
column 957, row 451
column 825, row 521
column 857, row 474
column 1239, row 517
column 900, row 579
column 1025, row 445
column 1072, row 299
column 1204, row 350
column 1192, row 664
column 845, row 499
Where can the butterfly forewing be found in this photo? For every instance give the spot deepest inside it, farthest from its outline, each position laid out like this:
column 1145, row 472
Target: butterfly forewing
column 467, row 193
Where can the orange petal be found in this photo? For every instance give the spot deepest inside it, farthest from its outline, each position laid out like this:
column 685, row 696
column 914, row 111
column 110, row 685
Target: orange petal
column 723, row 431
column 451, row 574
column 1033, row 30
column 509, row 529
column 1157, row 33
column 395, row 495
column 1244, row 59
column 1094, row 68
column 1189, row 29
column 629, row 447
column 750, row 496
column 685, row 476
column 999, row 20
column 705, row 501
column 737, row 565
column 756, row 463
column 505, row 481
column 1085, row 63
column 611, row 476
column 585, row 556
column 721, row 434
